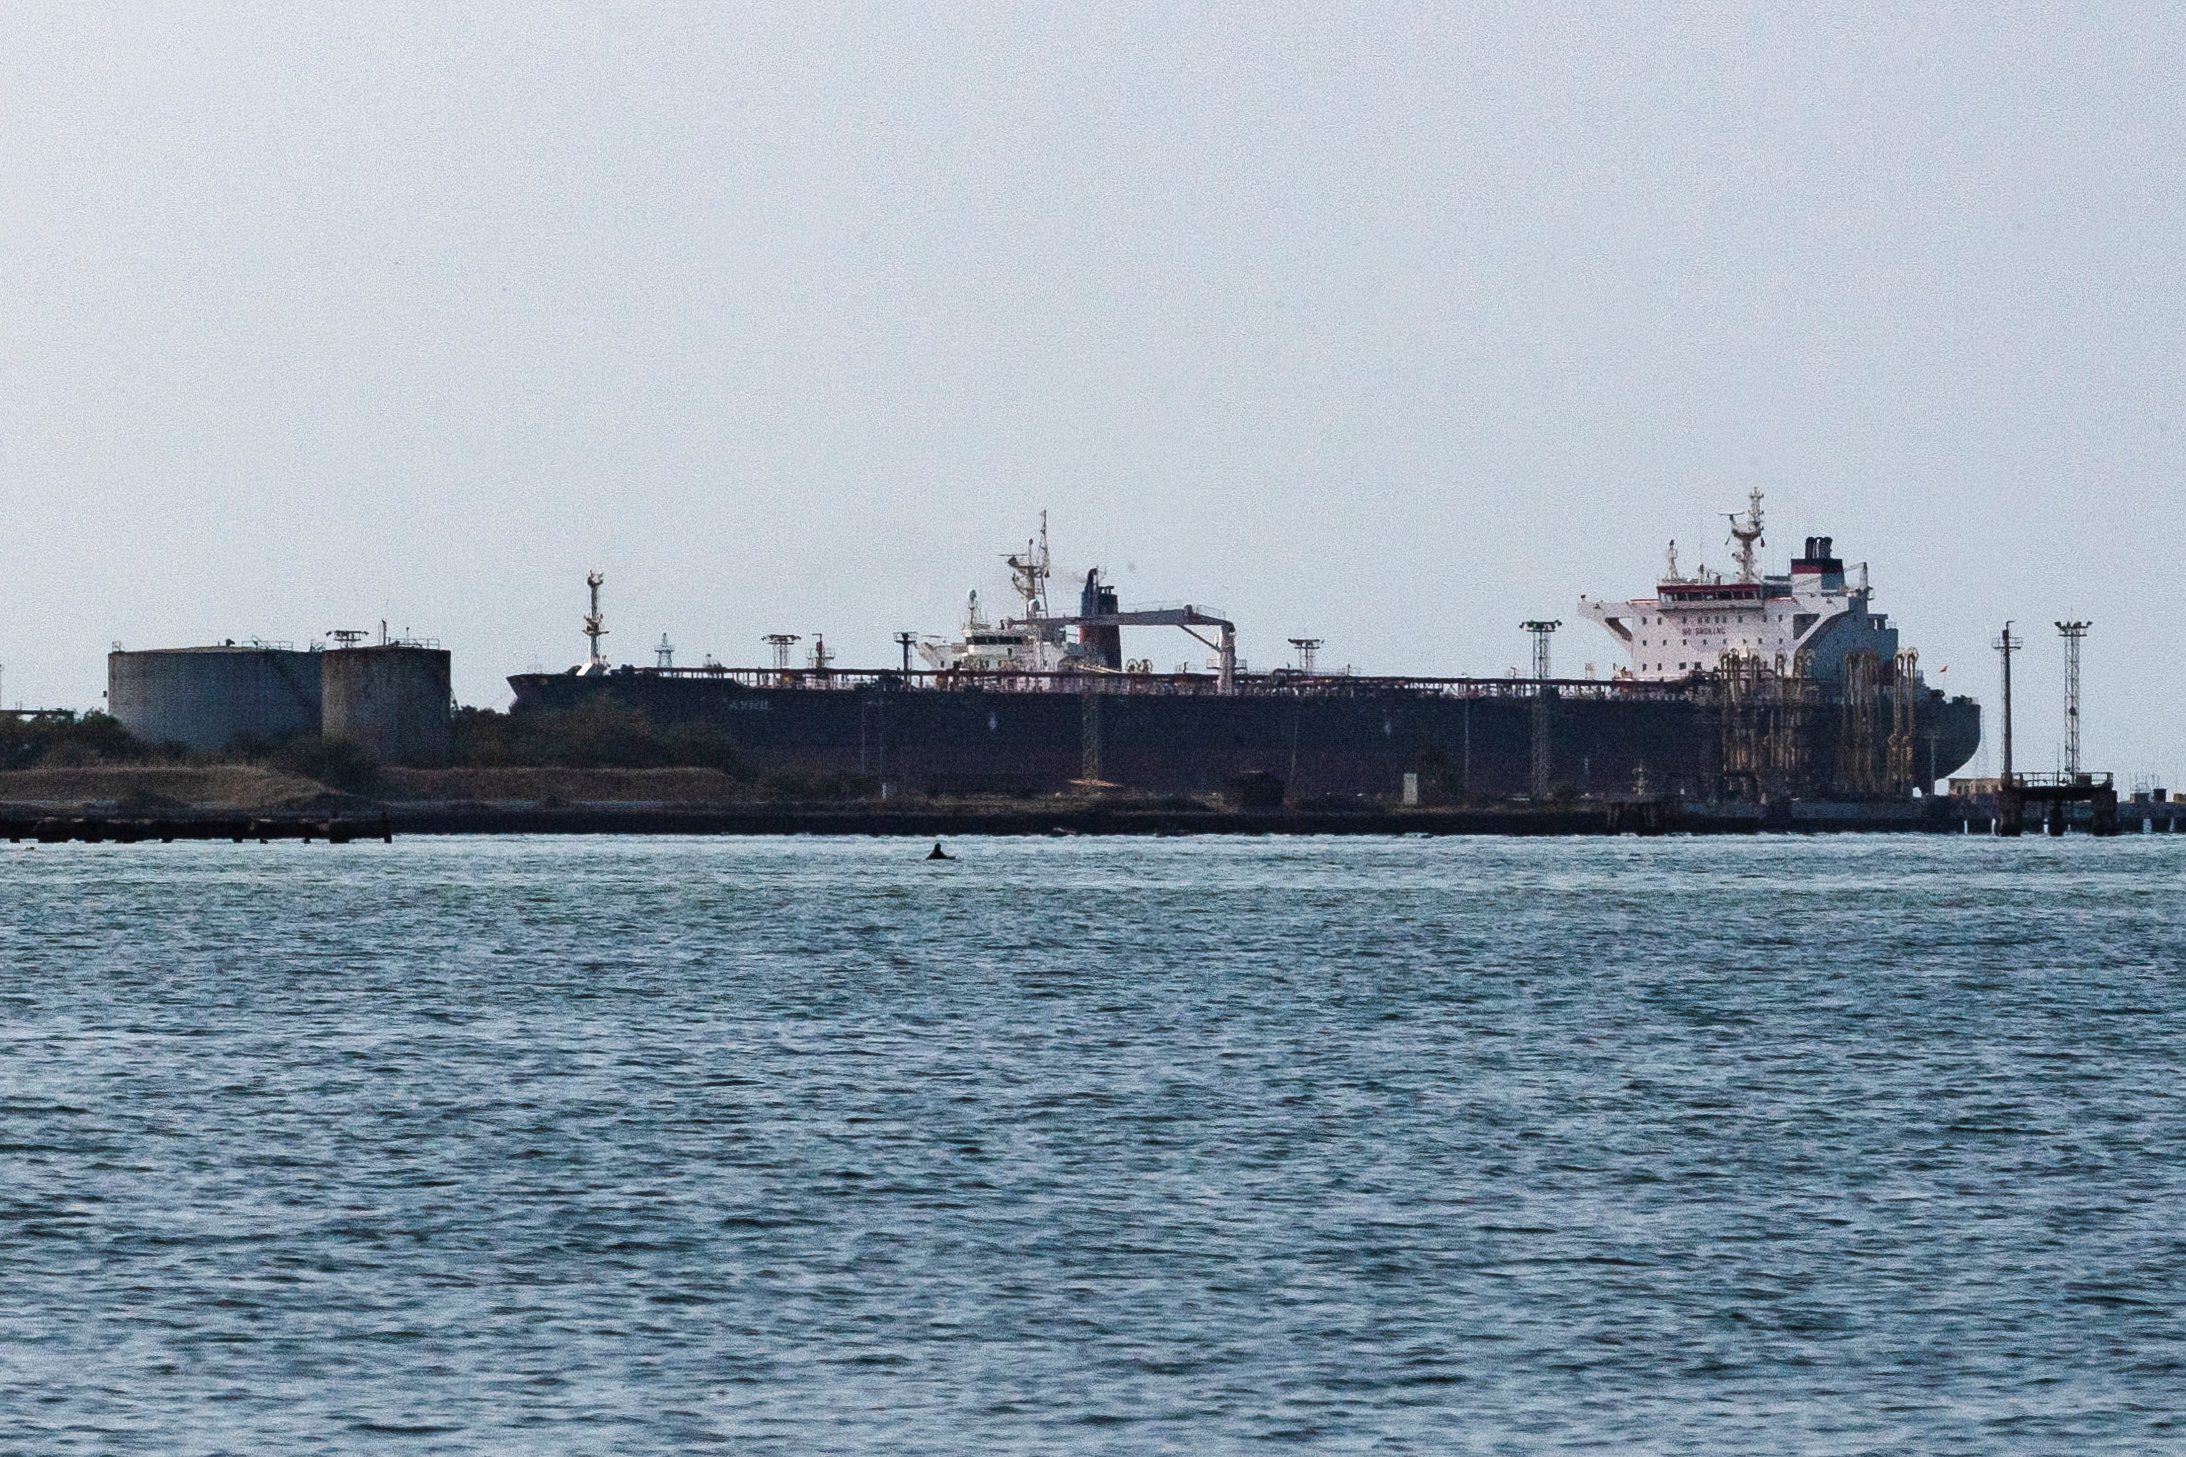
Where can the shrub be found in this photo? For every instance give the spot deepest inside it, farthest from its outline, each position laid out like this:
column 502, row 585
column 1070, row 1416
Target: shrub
column 93, row 738
column 821, row 784
column 597, row 735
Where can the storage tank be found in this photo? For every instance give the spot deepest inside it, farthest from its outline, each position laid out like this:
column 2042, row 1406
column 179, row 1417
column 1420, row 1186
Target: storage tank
column 393, row 700
column 207, row 698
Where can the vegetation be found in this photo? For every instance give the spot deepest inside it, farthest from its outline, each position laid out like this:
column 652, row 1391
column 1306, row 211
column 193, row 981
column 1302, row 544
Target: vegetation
column 595, row 736
column 71, row 742
column 604, row 735
column 815, row 784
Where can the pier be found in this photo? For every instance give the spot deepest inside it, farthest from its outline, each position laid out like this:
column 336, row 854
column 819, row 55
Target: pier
column 2055, row 795
column 95, row 829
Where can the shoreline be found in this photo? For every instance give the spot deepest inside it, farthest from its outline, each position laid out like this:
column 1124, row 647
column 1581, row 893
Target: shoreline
column 375, row 821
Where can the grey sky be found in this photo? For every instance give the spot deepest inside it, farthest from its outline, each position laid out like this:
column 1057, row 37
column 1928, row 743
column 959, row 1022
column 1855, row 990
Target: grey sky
column 1394, row 326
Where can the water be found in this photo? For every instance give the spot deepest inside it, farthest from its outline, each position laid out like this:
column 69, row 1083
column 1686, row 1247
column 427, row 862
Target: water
column 636, row 1146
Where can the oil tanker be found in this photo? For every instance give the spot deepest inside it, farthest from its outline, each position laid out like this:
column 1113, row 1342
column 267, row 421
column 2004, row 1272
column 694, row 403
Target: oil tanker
column 1739, row 686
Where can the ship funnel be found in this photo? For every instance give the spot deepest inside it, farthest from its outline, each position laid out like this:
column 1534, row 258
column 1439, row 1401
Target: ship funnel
column 1103, row 641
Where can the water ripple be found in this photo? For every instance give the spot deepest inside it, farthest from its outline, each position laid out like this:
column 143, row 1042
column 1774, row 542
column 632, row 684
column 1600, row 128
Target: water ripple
column 516, row 1145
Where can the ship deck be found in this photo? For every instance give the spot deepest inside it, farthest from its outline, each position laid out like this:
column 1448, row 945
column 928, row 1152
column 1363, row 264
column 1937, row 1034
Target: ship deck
column 1264, row 685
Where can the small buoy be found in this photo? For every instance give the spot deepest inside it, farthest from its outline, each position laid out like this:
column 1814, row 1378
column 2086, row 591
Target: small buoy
column 937, row 853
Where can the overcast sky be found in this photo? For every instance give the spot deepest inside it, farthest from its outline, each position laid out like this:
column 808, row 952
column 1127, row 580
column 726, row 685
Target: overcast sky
column 1390, row 325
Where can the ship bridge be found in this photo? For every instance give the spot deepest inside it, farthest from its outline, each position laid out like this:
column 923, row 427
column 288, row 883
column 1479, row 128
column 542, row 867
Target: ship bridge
column 1804, row 621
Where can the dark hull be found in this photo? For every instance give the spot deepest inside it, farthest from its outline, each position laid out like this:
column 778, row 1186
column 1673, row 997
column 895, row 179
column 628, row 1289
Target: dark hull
column 1339, row 740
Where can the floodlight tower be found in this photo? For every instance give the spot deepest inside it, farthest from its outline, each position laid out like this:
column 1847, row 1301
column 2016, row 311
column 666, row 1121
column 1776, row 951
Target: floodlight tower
column 664, row 653
column 2072, row 632
column 595, row 626
column 1540, row 631
column 904, row 640
column 782, row 642
column 1308, row 652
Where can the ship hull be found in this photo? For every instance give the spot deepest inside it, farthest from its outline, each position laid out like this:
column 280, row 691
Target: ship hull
column 1322, row 741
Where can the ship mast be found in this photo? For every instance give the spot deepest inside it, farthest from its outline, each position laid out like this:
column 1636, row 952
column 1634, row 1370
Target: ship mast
column 1746, row 535
column 595, row 626
column 1029, row 573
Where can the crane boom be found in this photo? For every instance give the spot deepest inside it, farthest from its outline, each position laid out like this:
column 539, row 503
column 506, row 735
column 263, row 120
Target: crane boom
column 1225, row 644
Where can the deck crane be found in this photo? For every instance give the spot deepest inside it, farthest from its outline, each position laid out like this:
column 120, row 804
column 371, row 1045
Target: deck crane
column 1187, row 617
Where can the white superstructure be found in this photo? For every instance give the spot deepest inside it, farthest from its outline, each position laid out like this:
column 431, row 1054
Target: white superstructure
column 1029, row 643
column 1039, row 639
column 1803, row 622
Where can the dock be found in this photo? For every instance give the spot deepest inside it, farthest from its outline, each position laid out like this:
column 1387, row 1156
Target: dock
column 95, row 829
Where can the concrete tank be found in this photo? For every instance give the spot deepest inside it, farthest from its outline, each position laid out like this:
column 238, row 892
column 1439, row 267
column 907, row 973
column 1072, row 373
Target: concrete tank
column 208, row 698
column 393, row 700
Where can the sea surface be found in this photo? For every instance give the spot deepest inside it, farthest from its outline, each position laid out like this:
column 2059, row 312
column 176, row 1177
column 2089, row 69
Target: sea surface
column 1828, row 1145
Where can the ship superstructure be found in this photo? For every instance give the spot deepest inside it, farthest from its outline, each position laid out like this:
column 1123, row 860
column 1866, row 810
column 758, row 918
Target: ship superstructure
column 1800, row 624
column 1032, row 642
column 1039, row 640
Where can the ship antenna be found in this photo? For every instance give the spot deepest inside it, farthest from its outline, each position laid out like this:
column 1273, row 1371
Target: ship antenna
column 595, row 626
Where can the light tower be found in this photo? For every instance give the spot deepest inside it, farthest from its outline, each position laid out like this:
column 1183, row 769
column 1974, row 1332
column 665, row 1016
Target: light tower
column 595, row 626
column 1308, row 651
column 782, row 642
column 1746, row 537
column 2072, row 632
column 664, row 653
column 904, row 640
column 1541, row 631
column 2006, row 645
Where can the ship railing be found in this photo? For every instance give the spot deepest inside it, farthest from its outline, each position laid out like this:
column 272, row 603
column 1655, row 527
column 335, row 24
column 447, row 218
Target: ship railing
column 1284, row 684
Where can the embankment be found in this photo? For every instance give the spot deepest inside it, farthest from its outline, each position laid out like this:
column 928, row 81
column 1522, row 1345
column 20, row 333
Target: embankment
column 478, row 801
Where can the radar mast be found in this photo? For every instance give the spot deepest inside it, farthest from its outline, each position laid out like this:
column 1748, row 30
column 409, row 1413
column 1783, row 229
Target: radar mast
column 1746, row 536
column 1029, row 573
column 595, row 626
